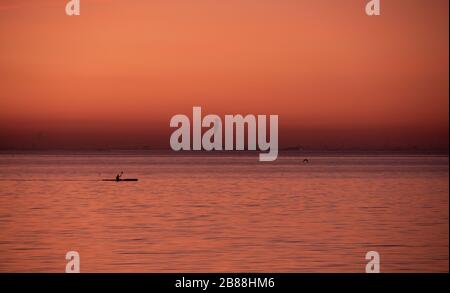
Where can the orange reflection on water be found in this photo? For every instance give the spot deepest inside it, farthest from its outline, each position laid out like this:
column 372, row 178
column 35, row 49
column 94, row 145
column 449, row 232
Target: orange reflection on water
column 222, row 213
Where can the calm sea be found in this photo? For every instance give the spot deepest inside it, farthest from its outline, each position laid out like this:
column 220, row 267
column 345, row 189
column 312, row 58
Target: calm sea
column 223, row 213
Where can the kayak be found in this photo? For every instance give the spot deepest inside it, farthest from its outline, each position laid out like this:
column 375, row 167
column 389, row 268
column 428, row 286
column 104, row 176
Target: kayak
column 130, row 179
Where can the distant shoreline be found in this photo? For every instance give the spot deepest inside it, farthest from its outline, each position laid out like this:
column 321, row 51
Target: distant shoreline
column 285, row 153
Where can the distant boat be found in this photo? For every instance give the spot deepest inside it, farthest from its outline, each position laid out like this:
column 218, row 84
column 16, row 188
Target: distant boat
column 128, row 179
column 119, row 178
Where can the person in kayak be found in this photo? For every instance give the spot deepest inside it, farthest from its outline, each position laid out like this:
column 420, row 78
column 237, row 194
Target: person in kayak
column 118, row 176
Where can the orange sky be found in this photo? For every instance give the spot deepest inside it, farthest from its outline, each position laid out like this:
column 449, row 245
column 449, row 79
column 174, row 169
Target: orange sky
column 115, row 75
